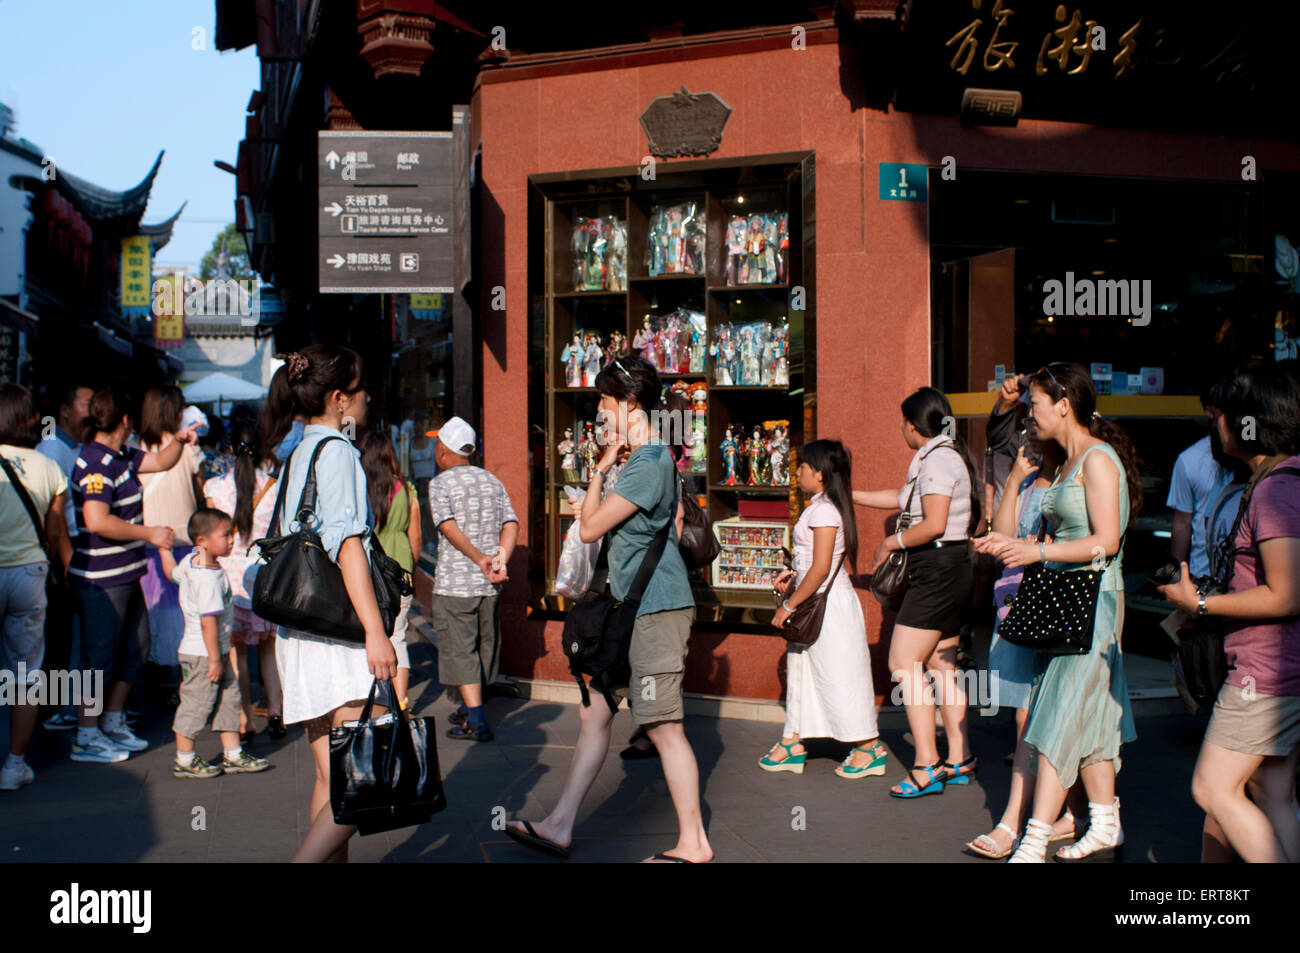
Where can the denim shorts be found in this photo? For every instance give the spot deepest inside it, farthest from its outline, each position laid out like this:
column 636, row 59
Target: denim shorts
column 1011, row 673
column 22, row 606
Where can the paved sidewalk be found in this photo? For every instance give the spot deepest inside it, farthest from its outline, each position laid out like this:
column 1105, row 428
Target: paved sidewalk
column 136, row 811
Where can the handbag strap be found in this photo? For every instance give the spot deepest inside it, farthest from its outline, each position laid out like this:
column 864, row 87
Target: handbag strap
column 307, row 499
column 28, row 505
column 907, row 510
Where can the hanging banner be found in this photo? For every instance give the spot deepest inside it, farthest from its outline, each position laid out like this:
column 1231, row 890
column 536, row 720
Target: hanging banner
column 169, row 310
column 135, row 276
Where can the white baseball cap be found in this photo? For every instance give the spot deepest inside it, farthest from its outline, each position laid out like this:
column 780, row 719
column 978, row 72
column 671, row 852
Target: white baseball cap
column 458, row 436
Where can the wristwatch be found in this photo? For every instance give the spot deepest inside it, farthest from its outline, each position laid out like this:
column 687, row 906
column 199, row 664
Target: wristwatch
column 603, row 473
column 1200, row 605
column 1042, row 550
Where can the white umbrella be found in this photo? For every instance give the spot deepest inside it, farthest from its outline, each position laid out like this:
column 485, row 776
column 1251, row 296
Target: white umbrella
column 219, row 386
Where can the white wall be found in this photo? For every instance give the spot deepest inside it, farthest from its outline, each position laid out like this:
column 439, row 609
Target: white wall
column 14, row 220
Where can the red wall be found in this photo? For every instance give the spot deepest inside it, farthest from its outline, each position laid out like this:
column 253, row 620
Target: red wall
column 872, row 261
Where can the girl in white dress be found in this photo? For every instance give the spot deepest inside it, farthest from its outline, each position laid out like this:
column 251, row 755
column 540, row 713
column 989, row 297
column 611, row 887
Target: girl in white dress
column 829, row 693
column 326, row 682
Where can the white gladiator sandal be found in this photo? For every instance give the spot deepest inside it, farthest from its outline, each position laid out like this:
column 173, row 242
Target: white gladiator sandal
column 1103, row 841
column 1033, row 843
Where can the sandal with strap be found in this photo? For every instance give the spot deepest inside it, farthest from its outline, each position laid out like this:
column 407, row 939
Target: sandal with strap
column 792, row 762
column 955, row 774
column 994, row 854
column 910, row 788
column 876, row 767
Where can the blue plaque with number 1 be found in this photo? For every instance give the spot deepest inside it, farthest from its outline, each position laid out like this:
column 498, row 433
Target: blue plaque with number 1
column 903, row 181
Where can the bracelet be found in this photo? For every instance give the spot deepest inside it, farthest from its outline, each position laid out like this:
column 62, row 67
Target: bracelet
column 899, row 538
column 1042, row 550
column 787, row 607
column 594, row 471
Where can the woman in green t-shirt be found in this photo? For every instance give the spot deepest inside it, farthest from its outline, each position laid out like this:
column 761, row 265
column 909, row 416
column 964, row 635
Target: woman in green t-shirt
column 396, row 508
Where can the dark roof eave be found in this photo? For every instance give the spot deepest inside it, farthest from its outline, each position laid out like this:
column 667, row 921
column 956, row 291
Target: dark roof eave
column 100, row 203
column 161, row 233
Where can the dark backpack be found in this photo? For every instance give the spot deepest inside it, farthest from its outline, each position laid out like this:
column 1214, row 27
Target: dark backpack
column 598, row 629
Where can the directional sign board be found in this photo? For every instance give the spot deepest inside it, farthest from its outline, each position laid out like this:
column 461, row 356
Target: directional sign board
column 385, row 212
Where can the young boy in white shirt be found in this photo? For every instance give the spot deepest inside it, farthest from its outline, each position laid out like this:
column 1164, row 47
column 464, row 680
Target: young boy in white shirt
column 209, row 687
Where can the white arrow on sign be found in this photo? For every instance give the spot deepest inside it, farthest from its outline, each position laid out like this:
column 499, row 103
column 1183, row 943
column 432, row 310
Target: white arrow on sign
column 333, row 208
column 335, row 259
column 332, row 158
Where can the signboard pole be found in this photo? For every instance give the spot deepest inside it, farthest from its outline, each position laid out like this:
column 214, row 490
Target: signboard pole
column 465, row 333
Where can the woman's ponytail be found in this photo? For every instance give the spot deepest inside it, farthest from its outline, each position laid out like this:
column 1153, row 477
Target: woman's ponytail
column 277, row 411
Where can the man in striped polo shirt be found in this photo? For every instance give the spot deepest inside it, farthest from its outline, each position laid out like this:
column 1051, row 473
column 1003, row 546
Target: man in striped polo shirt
column 108, row 562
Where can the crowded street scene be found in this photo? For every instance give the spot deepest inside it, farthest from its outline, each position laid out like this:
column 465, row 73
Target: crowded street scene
column 477, row 433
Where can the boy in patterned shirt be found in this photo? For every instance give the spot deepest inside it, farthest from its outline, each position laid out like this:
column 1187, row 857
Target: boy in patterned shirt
column 477, row 528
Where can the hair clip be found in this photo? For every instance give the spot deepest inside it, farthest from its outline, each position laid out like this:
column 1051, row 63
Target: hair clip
column 297, row 366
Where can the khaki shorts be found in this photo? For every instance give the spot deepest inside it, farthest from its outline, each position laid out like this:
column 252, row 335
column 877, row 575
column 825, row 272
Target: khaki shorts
column 657, row 655
column 1266, row 725
column 469, row 639
column 202, row 699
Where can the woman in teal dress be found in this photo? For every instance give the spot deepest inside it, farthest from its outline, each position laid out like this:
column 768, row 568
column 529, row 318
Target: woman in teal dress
column 1079, row 712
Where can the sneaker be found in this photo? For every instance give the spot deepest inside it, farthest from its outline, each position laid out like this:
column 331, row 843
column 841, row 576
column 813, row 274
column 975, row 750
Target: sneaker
column 246, row 764
column 124, row 737
column 198, row 768
column 61, row 721
column 100, row 748
column 13, row 780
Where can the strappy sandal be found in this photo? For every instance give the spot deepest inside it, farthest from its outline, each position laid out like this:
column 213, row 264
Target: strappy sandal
column 910, row 788
column 792, row 762
column 876, row 767
column 975, row 848
column 1074, row 833
column 955, row 774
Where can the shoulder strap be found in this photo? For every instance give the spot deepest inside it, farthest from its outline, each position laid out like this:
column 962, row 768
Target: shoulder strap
column 21, row 490
column 271, row 481
column 1229, row 560
column 916, row 479
column 307, row 500
column 650, row 561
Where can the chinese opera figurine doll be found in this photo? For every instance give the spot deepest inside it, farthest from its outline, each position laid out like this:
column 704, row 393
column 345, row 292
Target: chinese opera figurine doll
column 723, row 353
column 770, row 241
column 699, row 427
column 568, row 456
column 730, row 454
column 592, row 360
column 578, row 246
column 572, row 356
column 735, row 249
column 589, row 450
column 617, row 274
column 668, row 338
column 695, row 237
column 616, row 348
column 757, row 457
column 749, row 367
column 657, row 244
column 646, row 342
column 698, row 326
column 781, row 355
column 783, row 247
column 778, row 449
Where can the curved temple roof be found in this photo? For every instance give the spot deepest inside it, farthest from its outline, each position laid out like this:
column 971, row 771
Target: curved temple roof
column 160, row 233
column 101, row 203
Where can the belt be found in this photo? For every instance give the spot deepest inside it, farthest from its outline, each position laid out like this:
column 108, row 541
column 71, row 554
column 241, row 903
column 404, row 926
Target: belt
column 938, row 544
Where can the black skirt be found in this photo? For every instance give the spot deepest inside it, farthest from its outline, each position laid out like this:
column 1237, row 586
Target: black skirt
column 938, row 590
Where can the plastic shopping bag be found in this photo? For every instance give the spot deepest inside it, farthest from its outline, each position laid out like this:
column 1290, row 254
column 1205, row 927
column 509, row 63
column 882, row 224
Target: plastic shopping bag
column 577, row 559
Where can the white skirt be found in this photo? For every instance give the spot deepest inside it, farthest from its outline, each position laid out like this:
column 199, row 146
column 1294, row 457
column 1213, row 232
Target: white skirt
column 319, row 675
column 829, row 693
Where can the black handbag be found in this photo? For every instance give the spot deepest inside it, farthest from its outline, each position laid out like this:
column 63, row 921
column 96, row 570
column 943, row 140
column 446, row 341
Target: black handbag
column 598, row 629
column 384, row 773
column 698, row 545
column 889, row 582
column 1054, row 610
column 58, row 596
column 297, row 584
column 805, row 623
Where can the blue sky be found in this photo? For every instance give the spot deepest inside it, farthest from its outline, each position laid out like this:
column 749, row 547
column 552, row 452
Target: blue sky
column 102, row 85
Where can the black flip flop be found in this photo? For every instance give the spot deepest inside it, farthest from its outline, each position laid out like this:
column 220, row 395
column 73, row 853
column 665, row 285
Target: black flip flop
column 672, row 858
column 633, row 753
column 530, row 838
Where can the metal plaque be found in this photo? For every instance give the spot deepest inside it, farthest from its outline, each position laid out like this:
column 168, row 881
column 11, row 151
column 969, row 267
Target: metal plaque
column 685, row 123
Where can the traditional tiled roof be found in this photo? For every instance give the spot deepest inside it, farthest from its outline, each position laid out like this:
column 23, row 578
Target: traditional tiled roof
column 161, row 233
column 100, row 203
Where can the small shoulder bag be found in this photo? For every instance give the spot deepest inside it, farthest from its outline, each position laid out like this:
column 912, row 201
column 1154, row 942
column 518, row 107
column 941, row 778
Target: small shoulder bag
column 805, row 623
column 889, row 582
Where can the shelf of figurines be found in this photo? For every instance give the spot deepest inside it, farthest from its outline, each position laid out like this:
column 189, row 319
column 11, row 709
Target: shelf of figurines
column 683, row 343
column 671, row 242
